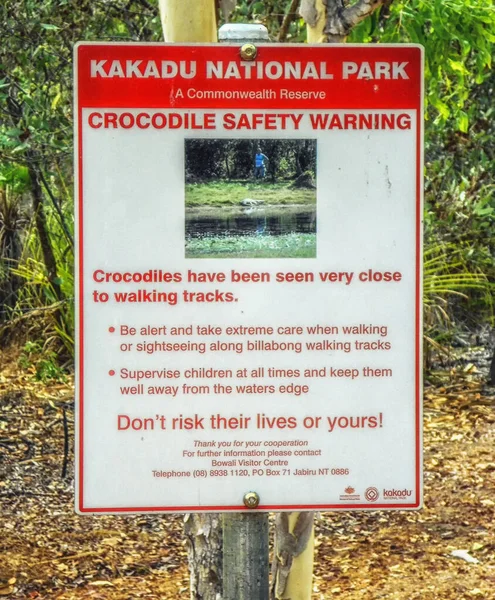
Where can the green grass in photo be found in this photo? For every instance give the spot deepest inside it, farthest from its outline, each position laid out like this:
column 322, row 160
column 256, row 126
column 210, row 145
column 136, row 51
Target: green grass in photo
column 292, row 245
column 220, row 193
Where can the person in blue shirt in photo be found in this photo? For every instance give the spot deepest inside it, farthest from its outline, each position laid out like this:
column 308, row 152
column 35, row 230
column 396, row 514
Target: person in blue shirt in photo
column 259, row 164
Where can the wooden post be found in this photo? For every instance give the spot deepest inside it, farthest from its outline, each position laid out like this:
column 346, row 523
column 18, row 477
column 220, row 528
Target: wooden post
column 245, row 556
column 188, row 20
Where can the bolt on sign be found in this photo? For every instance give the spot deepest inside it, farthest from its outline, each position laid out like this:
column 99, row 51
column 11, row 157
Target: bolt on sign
column 249, row 277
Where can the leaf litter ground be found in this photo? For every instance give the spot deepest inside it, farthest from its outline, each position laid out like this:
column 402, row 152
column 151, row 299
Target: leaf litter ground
column 49, row 553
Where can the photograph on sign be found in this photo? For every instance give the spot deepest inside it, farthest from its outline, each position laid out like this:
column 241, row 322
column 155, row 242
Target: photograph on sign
column 250, row 198
column 249, row 277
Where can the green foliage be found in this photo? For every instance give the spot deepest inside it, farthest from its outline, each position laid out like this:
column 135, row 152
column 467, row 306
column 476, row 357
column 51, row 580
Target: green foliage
column 38, row 291
column 36, row 63
column 14, row 178
column 446, row 271
column 450, row 282
column 42, row 362
column 458, row 38
column 234, row 158
column 36, row 140
column 460, row 202
column 271, row 13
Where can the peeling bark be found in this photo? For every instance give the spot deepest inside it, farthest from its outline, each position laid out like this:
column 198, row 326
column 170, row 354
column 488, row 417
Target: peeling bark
column 194, row 21
column 309, row 12
column 342, row 19
column 291, row 578
column 227, row 6
column 331, row 21
column 204, row 544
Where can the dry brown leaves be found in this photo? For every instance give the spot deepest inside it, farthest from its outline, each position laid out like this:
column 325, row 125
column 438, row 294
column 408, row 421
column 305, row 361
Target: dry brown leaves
column 407, row 555
column 49, row 553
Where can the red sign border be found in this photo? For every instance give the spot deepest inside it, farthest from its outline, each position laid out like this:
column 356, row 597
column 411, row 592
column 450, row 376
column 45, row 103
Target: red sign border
column 79, row 319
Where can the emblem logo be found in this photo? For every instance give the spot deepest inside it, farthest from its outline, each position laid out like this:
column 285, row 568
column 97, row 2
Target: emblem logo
column 371, row 494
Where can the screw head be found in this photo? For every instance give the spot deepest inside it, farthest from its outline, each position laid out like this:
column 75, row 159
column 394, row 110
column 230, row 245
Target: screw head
column 248, row 52
column 251, row 500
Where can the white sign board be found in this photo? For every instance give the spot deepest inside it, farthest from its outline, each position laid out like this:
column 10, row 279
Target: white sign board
column 249, row 294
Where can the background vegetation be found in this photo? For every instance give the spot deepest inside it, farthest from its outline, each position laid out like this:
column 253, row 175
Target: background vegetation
column 36, row 183
column 234, row 159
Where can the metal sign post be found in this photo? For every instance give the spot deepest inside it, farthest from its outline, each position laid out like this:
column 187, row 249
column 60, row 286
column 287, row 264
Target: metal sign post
column 245, row 553
column 245, row 535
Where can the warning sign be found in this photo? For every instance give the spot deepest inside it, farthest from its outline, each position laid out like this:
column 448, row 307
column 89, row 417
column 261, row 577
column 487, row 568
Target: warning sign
column 249, row 277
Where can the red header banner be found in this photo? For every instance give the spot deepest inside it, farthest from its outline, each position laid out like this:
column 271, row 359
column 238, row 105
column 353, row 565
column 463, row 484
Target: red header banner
column 199, row 76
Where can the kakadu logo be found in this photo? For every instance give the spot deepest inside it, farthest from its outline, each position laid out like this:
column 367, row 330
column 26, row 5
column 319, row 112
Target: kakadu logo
column 394, row 494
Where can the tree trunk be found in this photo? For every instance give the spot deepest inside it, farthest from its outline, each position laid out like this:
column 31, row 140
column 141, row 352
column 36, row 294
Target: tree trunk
column 189, row 20
column 10, row 251
column 195, row 21
column 204, row 542
column 292, row 566
column 313, row 12
column 292, row 569
column 42, row 226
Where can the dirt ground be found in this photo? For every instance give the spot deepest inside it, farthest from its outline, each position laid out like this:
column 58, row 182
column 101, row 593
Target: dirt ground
column 47, row 552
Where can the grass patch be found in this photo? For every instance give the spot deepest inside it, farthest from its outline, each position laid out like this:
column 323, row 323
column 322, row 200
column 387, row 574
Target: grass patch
column 291, row 245
column 221, row 193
